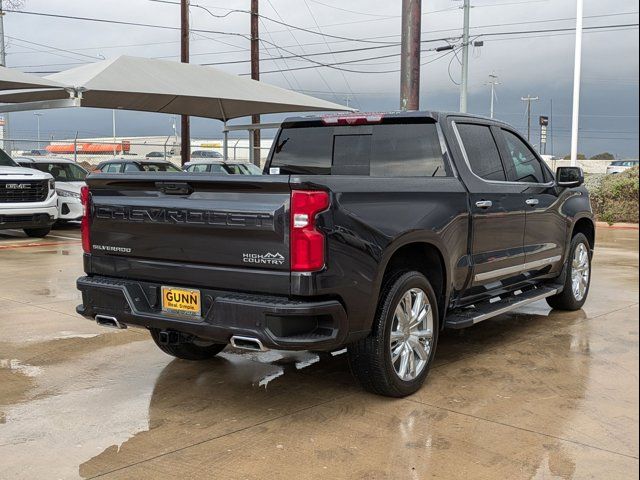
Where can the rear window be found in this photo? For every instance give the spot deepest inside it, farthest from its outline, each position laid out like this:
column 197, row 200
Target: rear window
column 159, row 167
column 394, row 150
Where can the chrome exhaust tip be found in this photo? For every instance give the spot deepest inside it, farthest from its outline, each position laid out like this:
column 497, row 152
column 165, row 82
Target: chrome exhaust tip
column 248, row 343
column 109, row 322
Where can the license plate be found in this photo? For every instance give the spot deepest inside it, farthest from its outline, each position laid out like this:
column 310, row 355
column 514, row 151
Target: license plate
column 182, row 301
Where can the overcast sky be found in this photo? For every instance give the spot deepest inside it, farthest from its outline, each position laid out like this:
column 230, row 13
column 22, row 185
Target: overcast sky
column 526, row 63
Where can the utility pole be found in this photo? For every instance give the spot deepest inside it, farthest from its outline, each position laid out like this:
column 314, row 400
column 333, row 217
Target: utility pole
column 464, row 83
column 185, row 144
column 410, row 55
column 6, row 144
column 493, row 81
column 529, row 99
column 575, row 122
column 255, row 75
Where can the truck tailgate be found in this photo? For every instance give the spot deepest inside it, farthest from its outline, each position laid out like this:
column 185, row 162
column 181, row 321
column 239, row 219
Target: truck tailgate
column 238, row 222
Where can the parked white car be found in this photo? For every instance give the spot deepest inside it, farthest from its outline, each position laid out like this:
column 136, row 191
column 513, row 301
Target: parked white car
column 69, row 177
column 220, row 167
column 620, row 166
column 28, row 199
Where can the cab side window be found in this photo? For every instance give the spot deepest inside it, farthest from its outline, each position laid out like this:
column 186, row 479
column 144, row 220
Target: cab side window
column 482, row 151
column 523, row 164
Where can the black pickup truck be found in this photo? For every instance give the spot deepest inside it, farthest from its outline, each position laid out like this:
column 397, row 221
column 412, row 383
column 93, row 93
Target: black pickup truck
column 371, row 232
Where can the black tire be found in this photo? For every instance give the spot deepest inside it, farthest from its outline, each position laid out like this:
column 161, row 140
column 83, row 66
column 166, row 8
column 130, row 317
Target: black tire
column 370, row 358
column 37, row 232
column 566, row 300
column 195, row 350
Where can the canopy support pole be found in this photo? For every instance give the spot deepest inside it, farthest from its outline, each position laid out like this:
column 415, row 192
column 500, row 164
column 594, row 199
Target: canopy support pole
column 225, row 143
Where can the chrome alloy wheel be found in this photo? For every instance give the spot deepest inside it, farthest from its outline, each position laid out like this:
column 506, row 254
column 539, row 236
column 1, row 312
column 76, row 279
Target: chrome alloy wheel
column 580, row 272
column 411, row 338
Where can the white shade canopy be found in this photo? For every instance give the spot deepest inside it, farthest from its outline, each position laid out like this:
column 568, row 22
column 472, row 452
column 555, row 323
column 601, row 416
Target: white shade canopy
column 133, row 83
column 11, row 79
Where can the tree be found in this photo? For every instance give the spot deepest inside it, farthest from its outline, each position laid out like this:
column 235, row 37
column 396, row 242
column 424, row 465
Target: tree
column 581, row 156
column 604, row 156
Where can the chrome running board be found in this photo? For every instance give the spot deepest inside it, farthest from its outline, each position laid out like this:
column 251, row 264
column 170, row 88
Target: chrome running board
column 467, row 317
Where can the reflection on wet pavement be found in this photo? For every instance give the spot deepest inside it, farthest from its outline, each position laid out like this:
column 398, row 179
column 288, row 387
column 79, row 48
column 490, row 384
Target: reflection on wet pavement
column 532, row 394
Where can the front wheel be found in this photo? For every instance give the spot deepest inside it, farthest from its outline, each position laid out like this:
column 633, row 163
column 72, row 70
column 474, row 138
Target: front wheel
column 196, row 349
column 576, row 285
column 395, row 358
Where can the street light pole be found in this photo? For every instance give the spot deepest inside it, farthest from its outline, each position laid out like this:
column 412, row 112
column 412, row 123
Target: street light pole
column 575, row 122
column 493, row 81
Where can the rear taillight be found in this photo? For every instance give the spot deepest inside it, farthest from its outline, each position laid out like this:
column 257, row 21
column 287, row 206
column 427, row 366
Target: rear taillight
column 307, row 243
column 85, row 198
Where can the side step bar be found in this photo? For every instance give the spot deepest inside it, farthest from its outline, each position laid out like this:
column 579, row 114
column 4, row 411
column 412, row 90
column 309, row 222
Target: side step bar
column 468, row 317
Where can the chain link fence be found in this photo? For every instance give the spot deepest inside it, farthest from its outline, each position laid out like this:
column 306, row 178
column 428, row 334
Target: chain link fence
column 92, row 151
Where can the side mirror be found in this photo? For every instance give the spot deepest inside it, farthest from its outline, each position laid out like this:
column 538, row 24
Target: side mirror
column 569, row 177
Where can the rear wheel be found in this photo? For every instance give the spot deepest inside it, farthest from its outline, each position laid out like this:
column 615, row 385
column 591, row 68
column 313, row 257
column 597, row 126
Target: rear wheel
column 576, row 285
column 37, row 232
column 395, row 358
column 196, row 349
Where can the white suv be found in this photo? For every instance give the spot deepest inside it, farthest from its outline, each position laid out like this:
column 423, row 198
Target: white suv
column 69, row 177
column 28, row 198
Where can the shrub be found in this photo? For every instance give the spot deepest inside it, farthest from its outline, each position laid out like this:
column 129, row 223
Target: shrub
column 604, row 156
column 614, row 198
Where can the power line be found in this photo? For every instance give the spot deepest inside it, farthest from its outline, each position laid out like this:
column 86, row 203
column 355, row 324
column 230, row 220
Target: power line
column 364, row 40
column 344, row 77
column 353, row 11
column 295, row 39
column 279, row 22
column 49, row 46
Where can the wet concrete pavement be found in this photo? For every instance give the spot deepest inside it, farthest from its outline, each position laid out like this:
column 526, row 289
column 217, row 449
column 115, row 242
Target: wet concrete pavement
column 533, row 394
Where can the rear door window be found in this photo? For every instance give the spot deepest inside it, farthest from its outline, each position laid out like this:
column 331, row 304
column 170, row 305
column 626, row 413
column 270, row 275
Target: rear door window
column 482, row 151
column 388, row 150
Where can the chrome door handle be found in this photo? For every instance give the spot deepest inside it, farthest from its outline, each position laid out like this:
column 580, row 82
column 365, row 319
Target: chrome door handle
column 532, row 202
column 484, row 204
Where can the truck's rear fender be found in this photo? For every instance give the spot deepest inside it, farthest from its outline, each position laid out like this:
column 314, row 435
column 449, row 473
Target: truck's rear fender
column 368, row 221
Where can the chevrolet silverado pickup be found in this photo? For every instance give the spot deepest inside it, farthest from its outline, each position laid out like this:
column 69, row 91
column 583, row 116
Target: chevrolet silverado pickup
column 370, row 232
column 28, row 199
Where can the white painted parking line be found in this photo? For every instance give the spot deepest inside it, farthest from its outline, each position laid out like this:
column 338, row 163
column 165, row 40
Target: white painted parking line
column 66, row 238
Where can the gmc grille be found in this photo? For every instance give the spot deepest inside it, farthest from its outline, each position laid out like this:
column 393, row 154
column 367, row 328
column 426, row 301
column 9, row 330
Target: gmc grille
column 23, row 191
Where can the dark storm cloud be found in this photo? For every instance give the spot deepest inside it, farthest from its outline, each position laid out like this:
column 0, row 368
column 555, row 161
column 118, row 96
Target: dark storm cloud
column 540, row 65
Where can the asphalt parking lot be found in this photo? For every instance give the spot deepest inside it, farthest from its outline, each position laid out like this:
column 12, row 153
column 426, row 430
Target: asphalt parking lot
column 532, row 394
